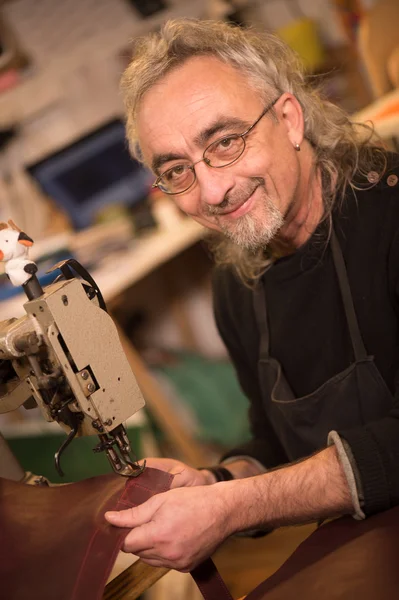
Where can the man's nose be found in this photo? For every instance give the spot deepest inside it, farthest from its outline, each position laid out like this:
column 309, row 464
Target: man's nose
column 214, row 184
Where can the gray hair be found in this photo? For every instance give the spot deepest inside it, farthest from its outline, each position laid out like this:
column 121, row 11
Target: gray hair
column 343, row 151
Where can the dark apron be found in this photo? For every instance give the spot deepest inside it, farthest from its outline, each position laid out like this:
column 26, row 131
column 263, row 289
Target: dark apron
column 352, row 398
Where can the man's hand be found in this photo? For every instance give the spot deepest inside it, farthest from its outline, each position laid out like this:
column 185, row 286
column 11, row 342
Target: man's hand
column 184, row 476
column 179, row 528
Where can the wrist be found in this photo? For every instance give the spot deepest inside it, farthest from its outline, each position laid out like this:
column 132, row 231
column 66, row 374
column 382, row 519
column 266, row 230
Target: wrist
column 243, row 466
column 217, row 473
column 234, row 499
column 246, row 504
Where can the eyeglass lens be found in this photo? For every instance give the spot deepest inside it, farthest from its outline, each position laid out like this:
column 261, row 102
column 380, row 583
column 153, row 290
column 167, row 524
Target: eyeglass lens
column 220, row 153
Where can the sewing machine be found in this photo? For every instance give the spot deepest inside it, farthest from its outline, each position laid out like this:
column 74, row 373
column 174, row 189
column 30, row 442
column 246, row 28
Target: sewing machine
column 65, row 356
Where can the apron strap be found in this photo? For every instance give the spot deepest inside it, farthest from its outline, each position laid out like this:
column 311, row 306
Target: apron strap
column 260, row 308
column 353, row 325
column 210, row 582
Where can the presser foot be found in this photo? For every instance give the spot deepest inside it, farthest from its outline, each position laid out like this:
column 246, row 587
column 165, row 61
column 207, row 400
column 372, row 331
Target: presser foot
column 118, row 453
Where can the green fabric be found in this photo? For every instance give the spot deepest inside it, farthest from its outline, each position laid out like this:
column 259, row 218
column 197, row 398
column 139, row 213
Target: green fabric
column 36, row 454
column 211, row 391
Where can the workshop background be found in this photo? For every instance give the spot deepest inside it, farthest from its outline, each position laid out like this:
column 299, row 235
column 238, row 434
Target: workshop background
column 60, row 65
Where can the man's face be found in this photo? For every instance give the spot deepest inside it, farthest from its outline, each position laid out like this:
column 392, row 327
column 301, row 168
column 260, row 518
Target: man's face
column 193, row 106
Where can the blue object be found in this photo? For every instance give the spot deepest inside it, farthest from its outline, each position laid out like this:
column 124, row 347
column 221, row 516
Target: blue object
column 92, row 173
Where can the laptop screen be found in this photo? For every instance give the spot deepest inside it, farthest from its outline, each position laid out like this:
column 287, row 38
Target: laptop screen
column 92, row 173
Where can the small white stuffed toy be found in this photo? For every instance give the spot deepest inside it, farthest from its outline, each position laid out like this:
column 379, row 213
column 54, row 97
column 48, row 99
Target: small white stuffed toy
column 14, row 245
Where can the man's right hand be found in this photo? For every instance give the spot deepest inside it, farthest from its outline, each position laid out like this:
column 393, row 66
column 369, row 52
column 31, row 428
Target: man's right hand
column 184, row 476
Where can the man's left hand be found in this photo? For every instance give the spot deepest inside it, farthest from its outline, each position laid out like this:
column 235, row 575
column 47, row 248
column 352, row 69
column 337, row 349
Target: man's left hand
column 179, row 528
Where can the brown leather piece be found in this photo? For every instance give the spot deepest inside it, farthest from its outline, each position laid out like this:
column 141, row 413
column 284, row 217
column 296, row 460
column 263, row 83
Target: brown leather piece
column 55, row 542
column 343, row 560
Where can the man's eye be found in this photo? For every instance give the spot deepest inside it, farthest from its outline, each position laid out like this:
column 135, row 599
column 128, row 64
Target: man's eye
column 175, row 172
column 178, row 170
column 226, row 146
column 226, row 143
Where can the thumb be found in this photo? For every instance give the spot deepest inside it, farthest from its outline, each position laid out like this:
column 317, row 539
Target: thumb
column 132, row 517
column 122, row 518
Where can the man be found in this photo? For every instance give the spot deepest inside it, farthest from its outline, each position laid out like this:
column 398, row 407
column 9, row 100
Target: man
column 306, row 301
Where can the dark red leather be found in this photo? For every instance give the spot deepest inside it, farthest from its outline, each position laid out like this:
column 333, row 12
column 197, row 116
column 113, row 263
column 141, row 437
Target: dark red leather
column 342, row 560
column 55, row 542
column 56, row 545
column 209, row 581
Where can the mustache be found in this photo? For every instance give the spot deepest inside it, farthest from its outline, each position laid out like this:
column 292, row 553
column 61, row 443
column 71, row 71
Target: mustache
column 236, row 198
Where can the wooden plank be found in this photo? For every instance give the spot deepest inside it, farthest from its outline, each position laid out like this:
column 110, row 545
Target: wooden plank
column 133, row 582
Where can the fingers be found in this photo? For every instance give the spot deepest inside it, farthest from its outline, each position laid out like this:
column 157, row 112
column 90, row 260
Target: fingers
column 140, row 540
column 185, row 476
column 164, row 464
column 153, row 562
column 156, row 559
column 144, row 543
column 182, row 477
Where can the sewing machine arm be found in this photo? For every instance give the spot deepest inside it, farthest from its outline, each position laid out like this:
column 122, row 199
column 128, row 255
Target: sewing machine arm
column 65, row 356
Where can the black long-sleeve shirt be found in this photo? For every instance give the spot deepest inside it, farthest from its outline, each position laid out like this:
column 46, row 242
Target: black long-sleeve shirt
column 309, row 334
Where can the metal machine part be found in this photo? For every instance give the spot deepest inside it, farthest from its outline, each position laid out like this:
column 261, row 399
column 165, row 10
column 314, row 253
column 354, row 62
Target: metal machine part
column 65, row 356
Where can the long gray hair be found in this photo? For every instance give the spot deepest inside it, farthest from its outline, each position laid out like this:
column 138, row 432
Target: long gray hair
column 343, row 151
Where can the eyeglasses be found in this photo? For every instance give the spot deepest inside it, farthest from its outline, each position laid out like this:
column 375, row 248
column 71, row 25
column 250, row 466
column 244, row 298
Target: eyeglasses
column 221, row 153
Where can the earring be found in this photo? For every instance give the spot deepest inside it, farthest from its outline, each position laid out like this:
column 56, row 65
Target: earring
column 297, row 147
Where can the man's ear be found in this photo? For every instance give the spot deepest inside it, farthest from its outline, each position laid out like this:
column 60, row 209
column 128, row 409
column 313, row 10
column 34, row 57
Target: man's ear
column 291, row 116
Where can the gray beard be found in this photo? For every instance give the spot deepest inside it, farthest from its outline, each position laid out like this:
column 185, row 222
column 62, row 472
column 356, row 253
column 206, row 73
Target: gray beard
column 254, row 232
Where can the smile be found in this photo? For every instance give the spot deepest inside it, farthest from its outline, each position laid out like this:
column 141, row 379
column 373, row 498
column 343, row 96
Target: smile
column 243, row 209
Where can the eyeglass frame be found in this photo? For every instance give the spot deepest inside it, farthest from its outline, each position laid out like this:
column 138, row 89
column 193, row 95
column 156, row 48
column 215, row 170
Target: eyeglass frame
column 206, row 160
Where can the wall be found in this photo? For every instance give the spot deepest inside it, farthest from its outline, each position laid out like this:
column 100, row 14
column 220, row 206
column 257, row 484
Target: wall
column 274, row 14
column 71, row 86
column 74, row 46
